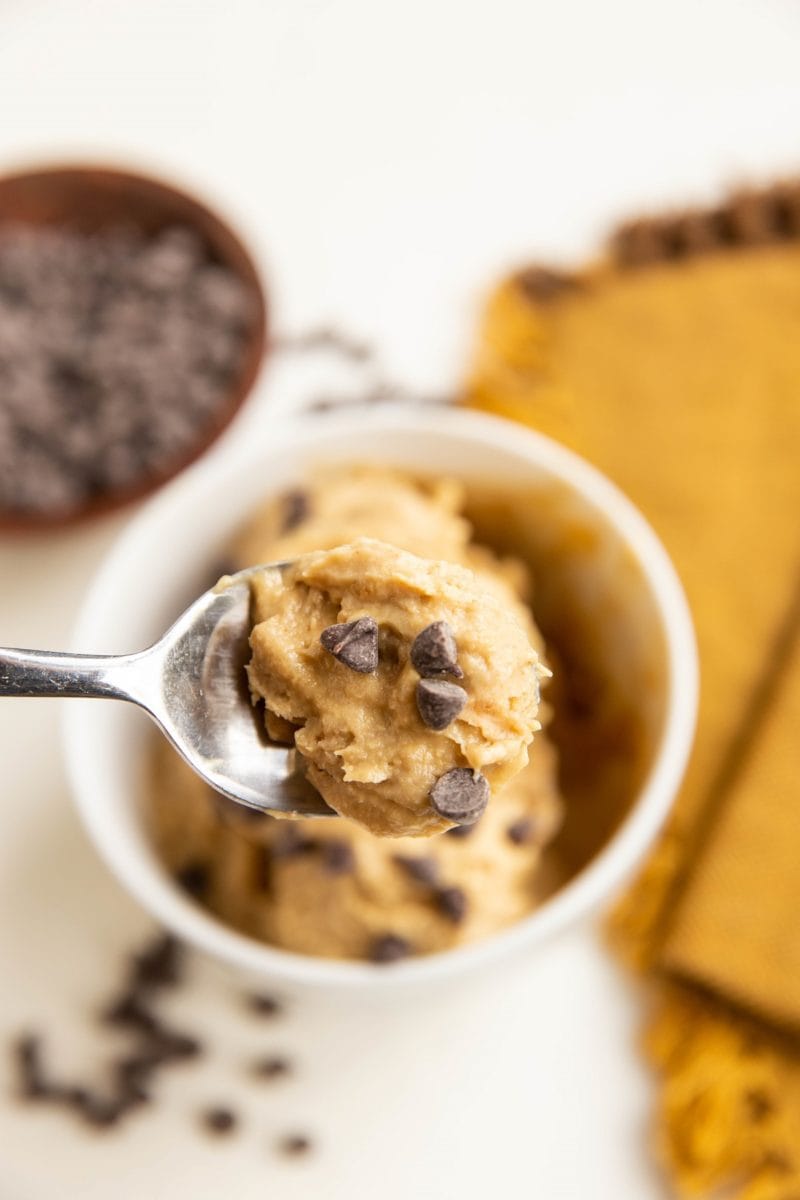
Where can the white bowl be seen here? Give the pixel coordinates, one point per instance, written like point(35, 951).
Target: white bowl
point(164, 557)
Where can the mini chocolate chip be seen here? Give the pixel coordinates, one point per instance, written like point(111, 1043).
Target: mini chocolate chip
point(519, 832)
point(194, 878)
point(134, 1070)
point(338, 857)
point(170, 1044)
point(28, 1054)
point(461, 831)
point(101, 1112)
point(74, 1096)
point(131, 1010)
point(271, 1067)
point(219, 1120)
point(434, 651)
point(160, 963)
point(460, 795)
point(354, 643)
point(439, 702)
point(290, 842)
point(389, 948)
point(294, 1145)
point(421, 870)
point(264, 1005)
point(296, 509)
point(453, 903)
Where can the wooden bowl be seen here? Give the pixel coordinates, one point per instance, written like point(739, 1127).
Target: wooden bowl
point(88, 198)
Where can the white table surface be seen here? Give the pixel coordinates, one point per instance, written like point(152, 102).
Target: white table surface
point(386, 162)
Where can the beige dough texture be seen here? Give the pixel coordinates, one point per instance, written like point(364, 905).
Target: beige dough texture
point(331, 887)
point(370, 732)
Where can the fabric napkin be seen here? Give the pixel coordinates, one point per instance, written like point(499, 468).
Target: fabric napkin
point(674, 364)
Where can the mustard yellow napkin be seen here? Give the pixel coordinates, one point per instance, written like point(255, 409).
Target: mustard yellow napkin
point(674, 364)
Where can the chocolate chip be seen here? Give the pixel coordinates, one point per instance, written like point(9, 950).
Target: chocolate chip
point(294, 1145)
point(389, 948)
point(195, 879)
point(291, 842)
point(101, 1112)
point(296, 509)
point(453, 903)
point(434, 651)
point(519, 832)
point(219, 1120)
point(439, 702)
point(338, 857)
point(27, 1051)
point(271, 1067)
point(130, 1009)
point(421, 870)
point(160, 963)
point(461, 831)
point(353, 643)
point(264, 1005)
point(171, 1045)
point(460, 795)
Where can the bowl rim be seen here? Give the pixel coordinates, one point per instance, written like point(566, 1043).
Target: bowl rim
point(203, 214)
point(596, 883)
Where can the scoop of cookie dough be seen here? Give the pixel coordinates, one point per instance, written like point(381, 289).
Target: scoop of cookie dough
point(411, 686)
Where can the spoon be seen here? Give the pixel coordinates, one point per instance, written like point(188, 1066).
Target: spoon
point(193, 684)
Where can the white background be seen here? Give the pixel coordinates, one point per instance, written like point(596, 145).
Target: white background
point(386, 162)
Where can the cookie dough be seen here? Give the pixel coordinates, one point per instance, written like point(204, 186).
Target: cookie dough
point(412, 688)
point(329, 887)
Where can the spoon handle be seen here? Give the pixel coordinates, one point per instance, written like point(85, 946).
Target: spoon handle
point(44, 673)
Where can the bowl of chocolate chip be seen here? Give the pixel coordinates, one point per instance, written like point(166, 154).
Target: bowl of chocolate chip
point(132, 328)
point(387, 517)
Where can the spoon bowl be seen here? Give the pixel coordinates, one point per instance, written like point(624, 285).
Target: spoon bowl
point(192, 682)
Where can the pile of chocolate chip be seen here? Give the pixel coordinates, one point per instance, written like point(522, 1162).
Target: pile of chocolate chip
point(131, 1076)
point(460, 795)
point(118, 351)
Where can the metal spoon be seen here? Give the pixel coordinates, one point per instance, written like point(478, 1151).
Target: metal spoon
point(193, 684)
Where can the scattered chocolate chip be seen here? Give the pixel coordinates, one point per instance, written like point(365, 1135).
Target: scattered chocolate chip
point(264, 1005)
point(101, 1112)
point(296, 509)
point(421, 870)
point(172, 1045)
point(460, 795)
point(156, 1045)
point(434, 651)
point(389, 948)
point(439, 702)
point(130, 1009)
point(27, 1051)
point(519, 832)
point(219, 1120)
point(453, 903)
point(338, 857)
point(294, 1145)
point(160, 963)
point(271, 1067)
point(354, 643)
point(195, 879)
